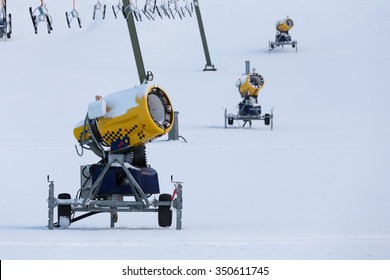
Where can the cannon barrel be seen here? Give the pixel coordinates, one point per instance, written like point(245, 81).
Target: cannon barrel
point(126, 119)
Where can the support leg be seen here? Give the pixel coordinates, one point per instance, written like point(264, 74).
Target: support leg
point(50, 205)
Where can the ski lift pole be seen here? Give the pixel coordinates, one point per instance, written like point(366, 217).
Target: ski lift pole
point(135, 43)
point(209, 66)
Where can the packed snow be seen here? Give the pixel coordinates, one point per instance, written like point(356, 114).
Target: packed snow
point(315, 187)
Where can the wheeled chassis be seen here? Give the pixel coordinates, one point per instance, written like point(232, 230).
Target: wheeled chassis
point(249, 118)
point(115, 203)
point(274, 44)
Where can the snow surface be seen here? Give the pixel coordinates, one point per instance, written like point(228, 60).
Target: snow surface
point(316, 187)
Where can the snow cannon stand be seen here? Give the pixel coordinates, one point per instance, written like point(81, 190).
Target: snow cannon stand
point(105, 189)
point(282, 36)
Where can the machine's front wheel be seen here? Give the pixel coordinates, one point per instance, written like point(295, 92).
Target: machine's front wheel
point(64, 211)
point(164, 212)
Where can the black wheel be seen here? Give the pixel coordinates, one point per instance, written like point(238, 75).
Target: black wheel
point(267, 119)
point(164, 212)
point(64, 211)
point(230, 121)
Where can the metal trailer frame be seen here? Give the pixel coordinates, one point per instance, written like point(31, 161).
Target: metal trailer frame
point(249, 118)
point(277, 43)
point(115, 204)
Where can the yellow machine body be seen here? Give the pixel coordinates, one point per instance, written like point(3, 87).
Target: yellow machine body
point(284, 25)
point(250, 85)
point(133, 117)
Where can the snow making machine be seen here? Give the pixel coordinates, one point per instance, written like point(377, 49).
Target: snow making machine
point(116, 128)
point(5, 21)
point(282, 36)
point(249, 109)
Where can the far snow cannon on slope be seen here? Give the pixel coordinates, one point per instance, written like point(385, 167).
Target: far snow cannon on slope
point(116, 128)
point(249, 86)
point(282, 36)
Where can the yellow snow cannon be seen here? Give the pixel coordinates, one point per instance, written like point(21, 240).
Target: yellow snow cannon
point(249, 85)
point(125, 119)
point(282, 36)
point(284, 25)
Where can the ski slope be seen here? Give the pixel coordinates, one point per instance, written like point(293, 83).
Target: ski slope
point(316, 187)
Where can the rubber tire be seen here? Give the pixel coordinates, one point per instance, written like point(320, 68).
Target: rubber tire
point(230, 121)
point(64, 210)
point(267, 119)
point(164, 212)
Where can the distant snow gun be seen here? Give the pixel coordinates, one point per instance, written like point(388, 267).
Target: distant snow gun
point(116, 128)
point(5, 21)
point(282, 36)
point(41, 14)
point(249, 86)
